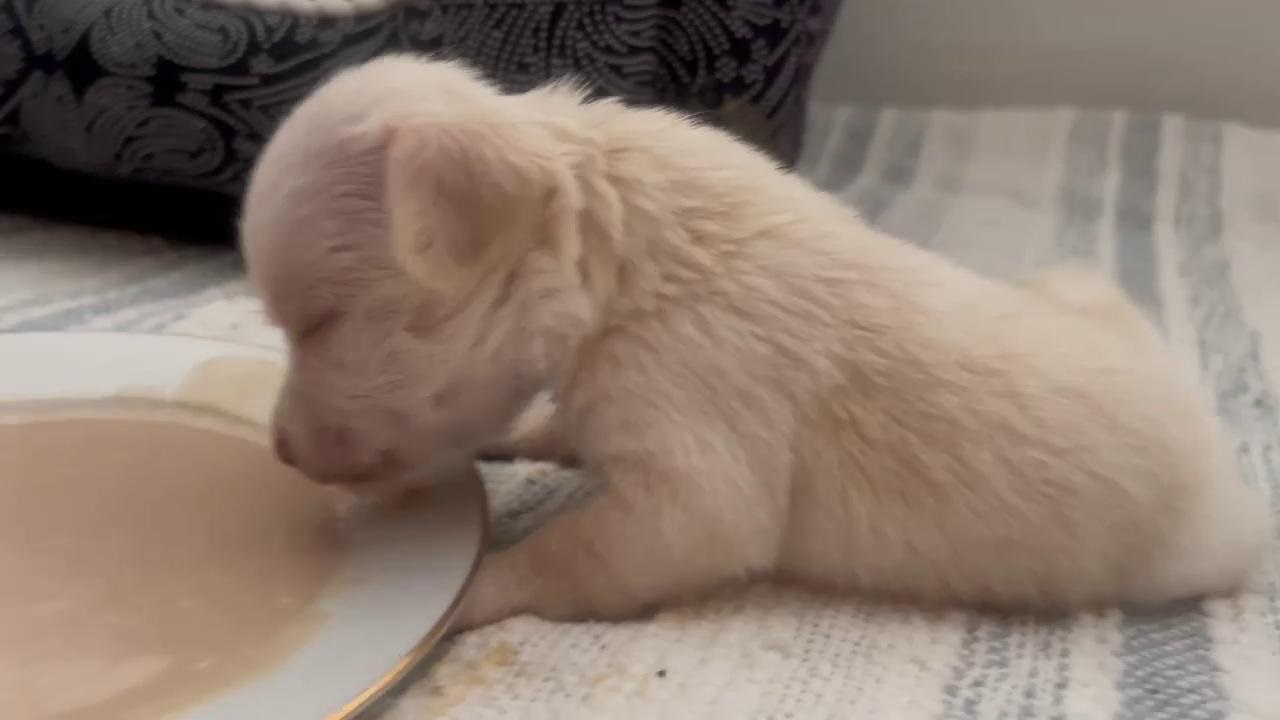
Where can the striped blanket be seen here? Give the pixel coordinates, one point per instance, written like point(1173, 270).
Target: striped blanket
point(1185, 214)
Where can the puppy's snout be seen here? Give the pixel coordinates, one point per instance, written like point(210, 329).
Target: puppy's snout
point(331, 454)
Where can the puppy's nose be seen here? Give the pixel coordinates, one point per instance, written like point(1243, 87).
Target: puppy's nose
point(353, 469)
point(284, 453)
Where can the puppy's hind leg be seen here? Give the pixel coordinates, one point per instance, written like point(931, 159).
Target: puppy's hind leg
point(1222, 536)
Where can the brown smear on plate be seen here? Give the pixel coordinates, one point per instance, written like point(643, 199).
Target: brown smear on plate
point(151, 555)
point(239, 386)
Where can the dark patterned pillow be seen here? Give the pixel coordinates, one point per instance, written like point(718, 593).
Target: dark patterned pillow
point(187, 91)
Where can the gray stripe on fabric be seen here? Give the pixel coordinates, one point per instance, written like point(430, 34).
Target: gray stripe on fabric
point(201, 275)
point(115, 278)
point(919, 214)
point(904, 144)
point(1167, 667)
point(984, 653)
point(820, 165)
point(1080, 197)
point(1053, 658)
point(1168, 672)
point(1230, 357)
point(982, 676)
point(963, 691)
point(817, 138)
point(849, 156)
point(982, 666)
point(158, 317)
point(1135, 248)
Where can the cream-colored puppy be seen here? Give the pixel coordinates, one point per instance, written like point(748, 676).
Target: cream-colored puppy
point(766, 386)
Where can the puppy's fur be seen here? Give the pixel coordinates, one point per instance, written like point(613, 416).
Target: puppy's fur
point(766, 386)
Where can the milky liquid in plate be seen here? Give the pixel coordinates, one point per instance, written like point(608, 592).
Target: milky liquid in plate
point(150, 557)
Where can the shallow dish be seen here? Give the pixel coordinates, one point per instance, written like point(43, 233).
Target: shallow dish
point(399, 577)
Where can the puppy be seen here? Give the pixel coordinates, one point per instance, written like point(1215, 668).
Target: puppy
point(766, 386)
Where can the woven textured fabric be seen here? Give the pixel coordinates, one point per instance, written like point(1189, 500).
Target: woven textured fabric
point(187, 91)
point(1185, 214)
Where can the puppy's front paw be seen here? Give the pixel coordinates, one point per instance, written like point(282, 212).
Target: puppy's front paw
point(498, 591)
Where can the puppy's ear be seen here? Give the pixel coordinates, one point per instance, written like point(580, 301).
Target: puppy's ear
point(459, 199)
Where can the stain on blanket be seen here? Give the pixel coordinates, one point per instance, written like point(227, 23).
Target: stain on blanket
point(456, 683)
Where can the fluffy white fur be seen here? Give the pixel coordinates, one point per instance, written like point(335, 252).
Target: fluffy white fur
point(765, 386)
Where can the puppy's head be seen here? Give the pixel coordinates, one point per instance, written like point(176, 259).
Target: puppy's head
point(409, 231)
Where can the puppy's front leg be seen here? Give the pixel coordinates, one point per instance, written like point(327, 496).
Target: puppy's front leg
point(647, 538)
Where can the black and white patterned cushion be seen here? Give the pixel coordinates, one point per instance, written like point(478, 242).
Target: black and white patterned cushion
point(185, 92)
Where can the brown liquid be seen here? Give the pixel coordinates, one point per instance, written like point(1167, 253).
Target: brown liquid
point(149, 559)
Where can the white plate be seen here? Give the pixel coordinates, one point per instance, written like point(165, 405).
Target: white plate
point(402, 576)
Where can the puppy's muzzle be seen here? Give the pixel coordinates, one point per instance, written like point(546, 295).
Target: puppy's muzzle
point(333, 463)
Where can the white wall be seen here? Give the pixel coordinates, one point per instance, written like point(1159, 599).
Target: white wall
point(1216, 58)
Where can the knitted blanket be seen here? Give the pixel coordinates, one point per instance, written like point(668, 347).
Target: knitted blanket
point(1185, 214)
